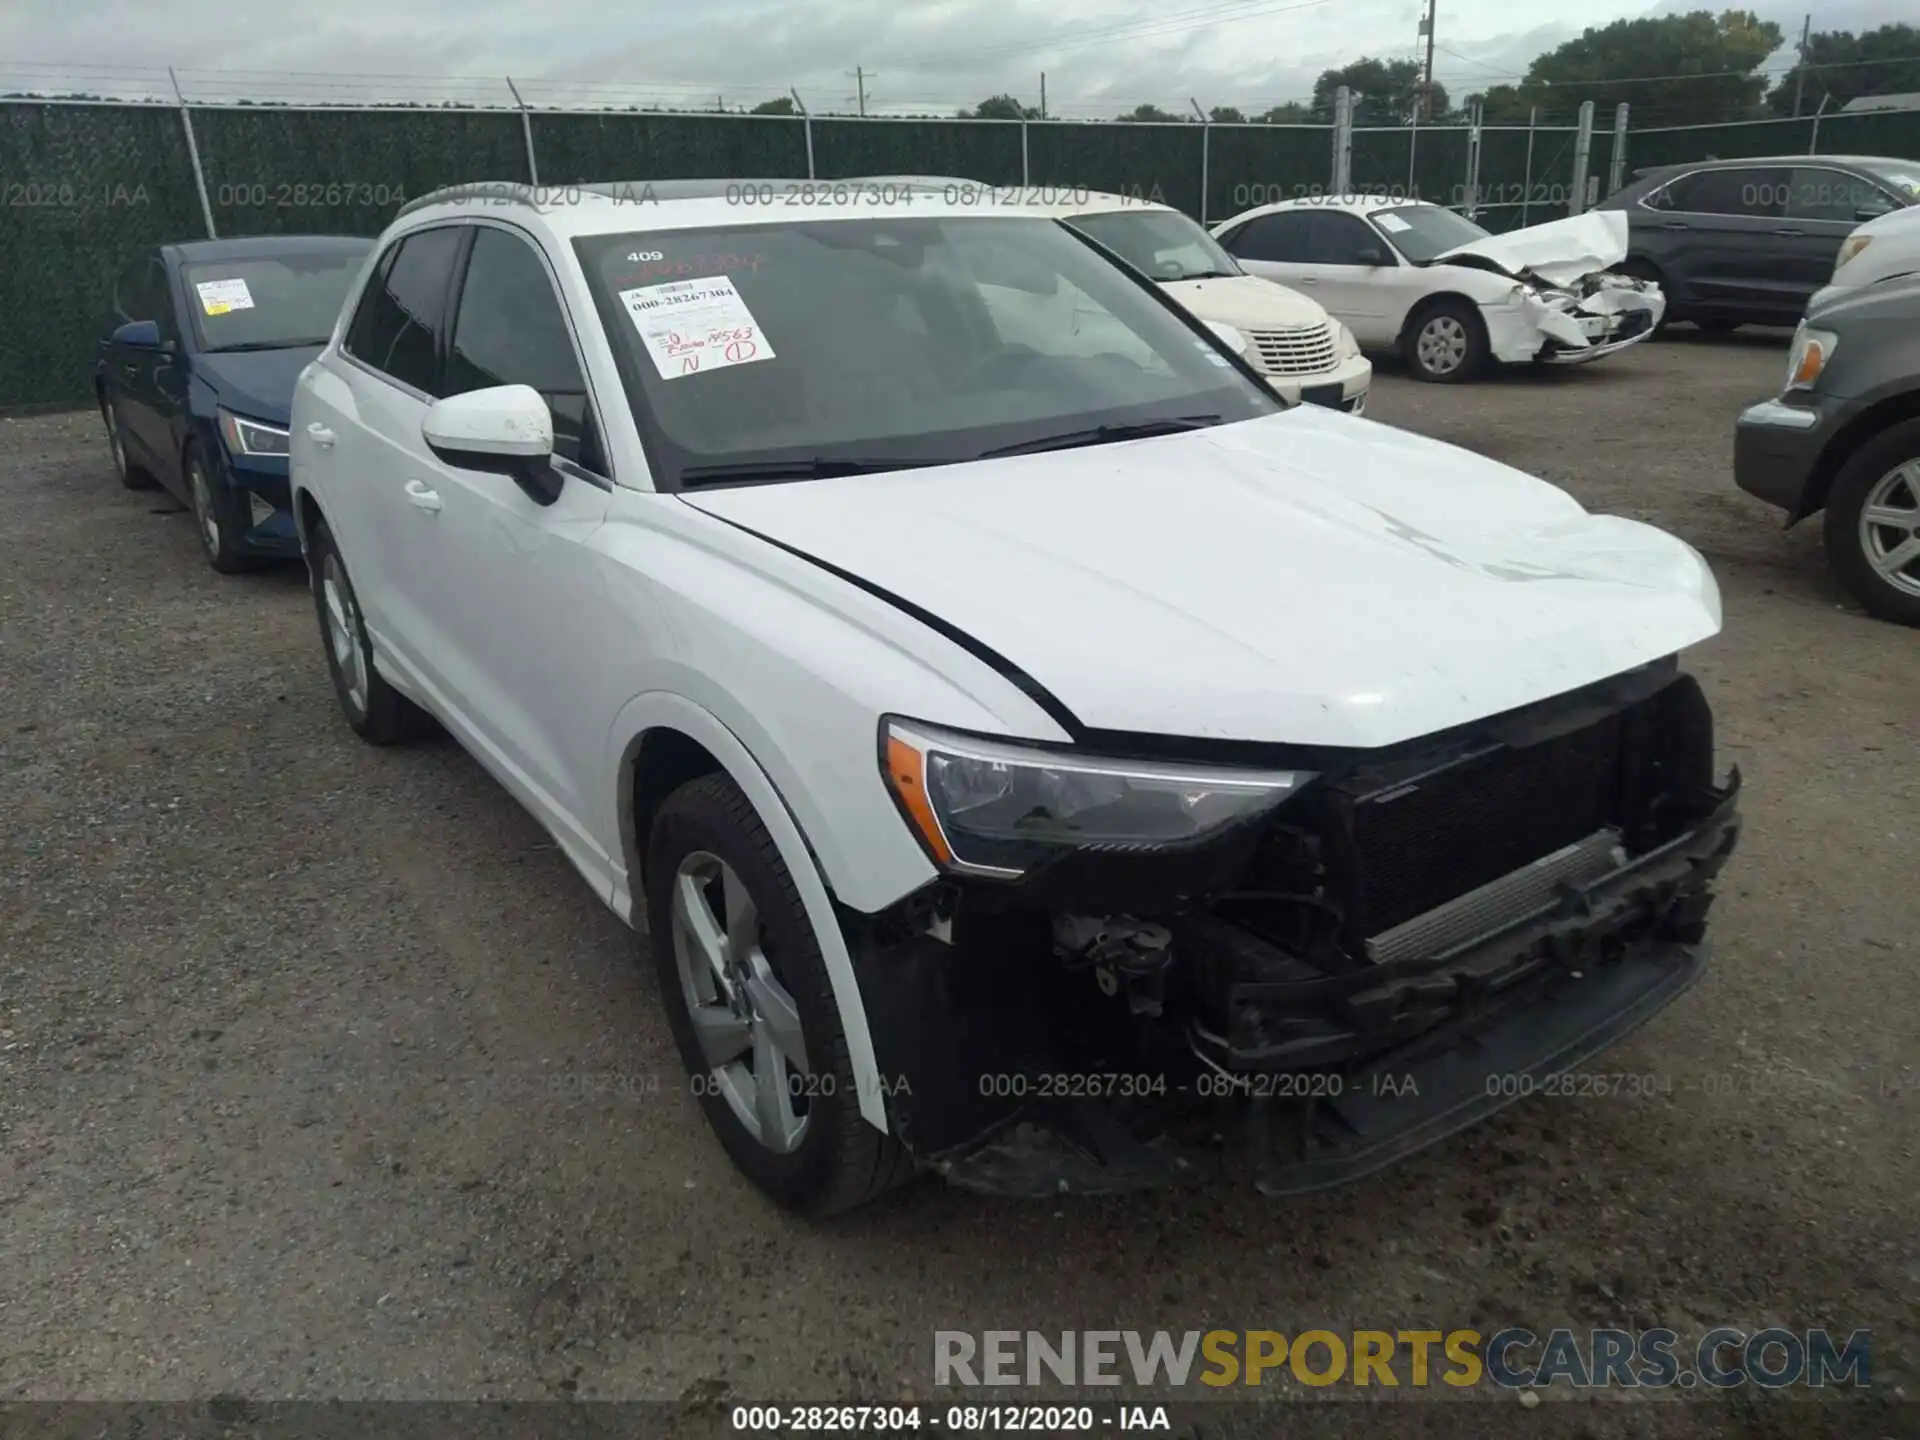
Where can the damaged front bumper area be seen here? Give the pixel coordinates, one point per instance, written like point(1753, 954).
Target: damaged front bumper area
point(1413, 942)
point(1599, 315)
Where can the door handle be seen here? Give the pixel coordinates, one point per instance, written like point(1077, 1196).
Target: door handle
point(1789, 232)
point(1677, 225)
point(1304, 280)
point(320, 435)
point(419, 495)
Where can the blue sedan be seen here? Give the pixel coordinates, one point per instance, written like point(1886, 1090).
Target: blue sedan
point(195, 376)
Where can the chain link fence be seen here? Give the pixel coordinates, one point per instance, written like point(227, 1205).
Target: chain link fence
point(84, 183)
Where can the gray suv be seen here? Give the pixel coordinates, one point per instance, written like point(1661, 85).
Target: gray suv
point(1844, 437)
point(1748, 241)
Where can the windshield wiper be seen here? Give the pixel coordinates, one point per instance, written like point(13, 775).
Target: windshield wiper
point(1104, 435)
point(1212, 274)
point(247, 345)
point(806, 467)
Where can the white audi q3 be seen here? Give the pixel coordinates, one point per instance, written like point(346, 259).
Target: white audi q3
point(1019, 750)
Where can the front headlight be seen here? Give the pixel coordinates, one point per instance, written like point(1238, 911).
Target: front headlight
point(1812, 350)
point(250, 437)
point(1849, 248)
point(990, 807)
point(1345, 347)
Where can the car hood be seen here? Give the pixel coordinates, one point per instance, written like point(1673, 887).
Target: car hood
point(256, 383)
point(1559, 252)
point(1308, 577)
point(1246, 302)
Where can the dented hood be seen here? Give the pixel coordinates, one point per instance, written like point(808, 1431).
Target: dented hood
point(1559, 252)
point(1307, 577)
point(1246, 302)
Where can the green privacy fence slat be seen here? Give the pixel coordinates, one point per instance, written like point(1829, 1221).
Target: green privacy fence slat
point(1150, 161)
point(1648, 148)
point(1380, 160)
point(81, 187)
point(984, 150)
point(1249, 165)
point(1440, 163)
point(1894, 133)
point(278, 172)
point(572, 149)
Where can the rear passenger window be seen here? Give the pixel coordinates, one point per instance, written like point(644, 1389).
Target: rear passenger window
point(400, 313)
point(1818, 193)
point(510, 330)
point(1758, 192)
point(1273, 237)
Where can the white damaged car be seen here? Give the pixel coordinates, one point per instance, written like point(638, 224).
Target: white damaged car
point(1026, 763)
point(1429, 284)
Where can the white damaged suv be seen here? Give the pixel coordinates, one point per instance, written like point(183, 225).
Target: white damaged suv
point(1018, 756)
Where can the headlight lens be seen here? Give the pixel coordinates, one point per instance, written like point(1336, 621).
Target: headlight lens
point(988, 807)
point(1849, 248)
point(1812, 349)
point(250, 437)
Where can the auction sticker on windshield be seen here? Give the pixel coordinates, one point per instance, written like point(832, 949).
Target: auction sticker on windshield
point(217, 297)
point(1392, 224)
point(692, 326)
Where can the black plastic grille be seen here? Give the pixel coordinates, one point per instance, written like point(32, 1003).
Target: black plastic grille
point(1416, 845)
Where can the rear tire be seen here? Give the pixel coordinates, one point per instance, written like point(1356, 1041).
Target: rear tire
point(749, 1001)
point(378, 713)
point(124, 471)
point(1873, 521)
point(1446, 342)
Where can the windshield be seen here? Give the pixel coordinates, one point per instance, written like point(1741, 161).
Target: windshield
point(1162, 243)
point(1902, 176)
point(270, 302)
point(780, 351)
point(1421, 232)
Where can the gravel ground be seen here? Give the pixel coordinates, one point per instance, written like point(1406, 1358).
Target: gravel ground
point(323, 1075)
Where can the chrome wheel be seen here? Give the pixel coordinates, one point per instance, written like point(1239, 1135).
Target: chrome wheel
point(747, 1025)
point(343, 633)
point(203, 511)
point(1890, 527)
point(1441, 345)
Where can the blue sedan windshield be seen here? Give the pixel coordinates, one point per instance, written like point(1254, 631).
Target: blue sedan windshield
point(269, 302)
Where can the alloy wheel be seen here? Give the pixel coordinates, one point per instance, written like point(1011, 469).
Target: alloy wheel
point(203, 510)
point(746, 1022)
point(343, 633)
point(1442, 345)
point(1890, 527)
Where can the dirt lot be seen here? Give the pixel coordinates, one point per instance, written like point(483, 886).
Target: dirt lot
point(322, 1074)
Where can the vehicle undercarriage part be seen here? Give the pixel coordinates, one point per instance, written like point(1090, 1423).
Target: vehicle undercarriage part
point(1334, 985)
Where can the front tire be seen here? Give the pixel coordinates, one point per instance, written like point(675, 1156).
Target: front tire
point(752, 1008)
point(378, 713)
point(1873, 524)
point(1447, 343)
point(214, 518)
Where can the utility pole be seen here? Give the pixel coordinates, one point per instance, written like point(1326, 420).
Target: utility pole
point(1800, 70)
point(1043, 94)
point(860, 79)
point(1426, 78)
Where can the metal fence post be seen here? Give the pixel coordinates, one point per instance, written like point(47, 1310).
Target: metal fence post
point(1413, 153)
point(1813, 139)
point(1342, 140)
point(1526, 190)
point(1617, 167)
point(1206, 145)
point(1582, 153)
point(1475, 116)
point(193, 154)
point(526, 133)
point(806, 118)
point(1026, 173)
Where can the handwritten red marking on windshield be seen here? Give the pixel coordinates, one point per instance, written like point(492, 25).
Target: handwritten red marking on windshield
point(739, 350)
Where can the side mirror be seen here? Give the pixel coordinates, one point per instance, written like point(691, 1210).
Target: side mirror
point(1369, 255)
point(1235, 341)
point(504, 430)
point(138, 335)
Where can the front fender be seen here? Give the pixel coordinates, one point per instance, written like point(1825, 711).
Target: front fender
point(663, 709)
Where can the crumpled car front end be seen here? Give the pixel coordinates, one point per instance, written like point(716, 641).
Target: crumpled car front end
point(1392, 947)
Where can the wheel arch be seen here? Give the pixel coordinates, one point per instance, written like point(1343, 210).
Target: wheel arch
point(668, 740)
point(1860, 430)
point(1418, 311)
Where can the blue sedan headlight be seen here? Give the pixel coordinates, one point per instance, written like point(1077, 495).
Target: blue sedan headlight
point(251, 437)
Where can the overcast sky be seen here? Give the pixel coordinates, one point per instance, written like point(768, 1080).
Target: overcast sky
point(920, 55)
